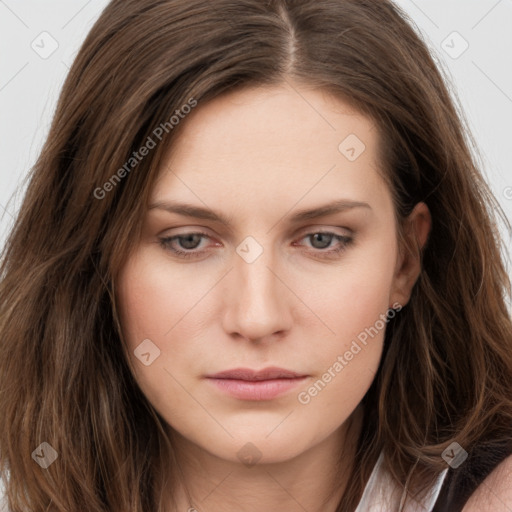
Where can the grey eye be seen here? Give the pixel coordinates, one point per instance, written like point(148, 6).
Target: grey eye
point(191, 241)
point(324, 240)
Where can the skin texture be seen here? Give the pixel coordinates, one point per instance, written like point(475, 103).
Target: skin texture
point(495, 492)
point(258, 156)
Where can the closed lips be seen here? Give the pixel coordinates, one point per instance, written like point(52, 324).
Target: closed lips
point(250, 385)
point(253, 375)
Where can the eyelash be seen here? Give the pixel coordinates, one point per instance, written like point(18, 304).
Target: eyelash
point(345, 242)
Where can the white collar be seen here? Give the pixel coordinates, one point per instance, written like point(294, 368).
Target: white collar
point(382, 494)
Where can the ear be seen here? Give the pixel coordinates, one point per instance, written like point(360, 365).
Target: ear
point(408, 267)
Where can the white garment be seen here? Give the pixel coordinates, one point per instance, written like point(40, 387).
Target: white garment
point(3, 498)
point(381, 493)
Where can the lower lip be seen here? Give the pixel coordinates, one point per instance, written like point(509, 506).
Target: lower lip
point(258, 389)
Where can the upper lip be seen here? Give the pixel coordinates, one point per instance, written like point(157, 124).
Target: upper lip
point(255, 375)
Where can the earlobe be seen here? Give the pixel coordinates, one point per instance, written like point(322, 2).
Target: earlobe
point(416, 230)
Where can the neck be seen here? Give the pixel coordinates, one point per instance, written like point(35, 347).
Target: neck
point(314, 481)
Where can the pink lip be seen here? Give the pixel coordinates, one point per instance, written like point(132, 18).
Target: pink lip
point(247, 384)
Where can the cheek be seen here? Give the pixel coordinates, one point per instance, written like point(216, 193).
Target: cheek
point(352, 297)
point(354, 305)
point(349, 360)
point(153, 298)
point(151, 302)
point(161, 303)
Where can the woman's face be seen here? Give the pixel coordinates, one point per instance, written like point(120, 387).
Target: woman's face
point(262, 288)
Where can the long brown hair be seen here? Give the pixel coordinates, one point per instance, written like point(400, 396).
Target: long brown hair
point(446, 374)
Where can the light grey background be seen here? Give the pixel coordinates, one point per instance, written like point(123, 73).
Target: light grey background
point(31, 78)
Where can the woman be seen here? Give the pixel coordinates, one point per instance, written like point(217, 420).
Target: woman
point(256, 268)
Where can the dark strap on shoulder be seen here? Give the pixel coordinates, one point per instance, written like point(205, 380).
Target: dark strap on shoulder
point(460, 483)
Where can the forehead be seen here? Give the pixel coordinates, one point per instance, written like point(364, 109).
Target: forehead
point(274, 145)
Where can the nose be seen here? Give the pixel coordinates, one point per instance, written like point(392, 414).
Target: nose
point(257, 302)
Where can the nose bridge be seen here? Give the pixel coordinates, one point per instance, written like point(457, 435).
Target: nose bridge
point(257, 303)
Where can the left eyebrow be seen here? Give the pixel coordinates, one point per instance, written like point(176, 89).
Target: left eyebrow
point(199, 212)
point(328, 209)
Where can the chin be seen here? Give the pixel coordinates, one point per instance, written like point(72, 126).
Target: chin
point(259, 443)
